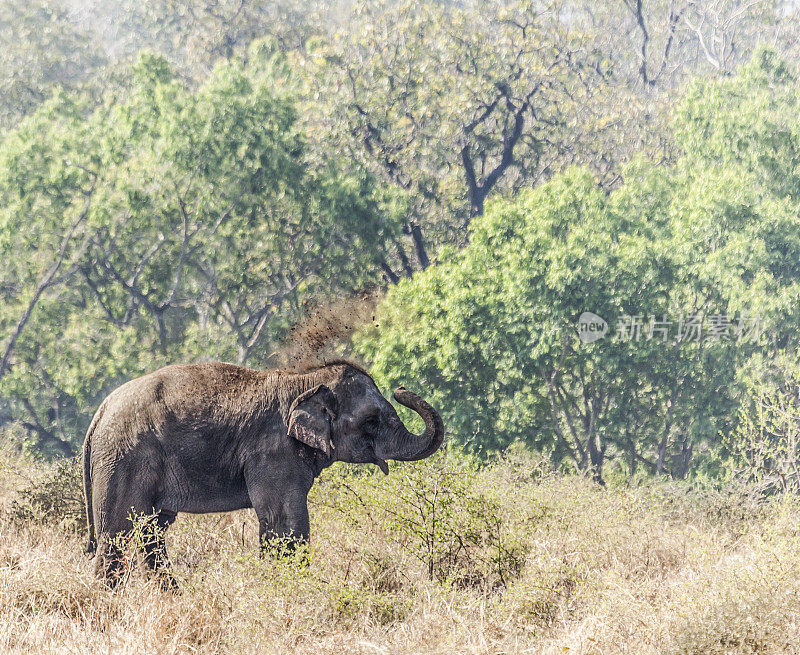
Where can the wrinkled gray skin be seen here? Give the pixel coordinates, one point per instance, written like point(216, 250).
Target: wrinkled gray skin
point(215, 437)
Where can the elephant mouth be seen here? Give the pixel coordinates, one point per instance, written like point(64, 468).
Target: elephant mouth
point(380, 463)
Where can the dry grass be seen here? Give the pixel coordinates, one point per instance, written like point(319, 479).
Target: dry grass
point(439, 557)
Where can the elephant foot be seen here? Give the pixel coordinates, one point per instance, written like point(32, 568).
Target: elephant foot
point(167, 582)
point(110, 571)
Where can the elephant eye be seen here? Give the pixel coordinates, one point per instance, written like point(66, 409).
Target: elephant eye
point(370, 423)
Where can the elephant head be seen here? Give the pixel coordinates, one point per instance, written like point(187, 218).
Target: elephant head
point(347, 419)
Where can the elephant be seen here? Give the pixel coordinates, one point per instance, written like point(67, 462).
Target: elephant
point(216, 437)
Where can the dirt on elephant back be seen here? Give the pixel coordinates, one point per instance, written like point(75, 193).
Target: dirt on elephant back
point(323, 331)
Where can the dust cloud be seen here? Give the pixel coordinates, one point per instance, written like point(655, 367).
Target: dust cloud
point(323, 333)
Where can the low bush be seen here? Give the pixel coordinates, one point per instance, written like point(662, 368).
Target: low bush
point(50, 494)
point(444, 511)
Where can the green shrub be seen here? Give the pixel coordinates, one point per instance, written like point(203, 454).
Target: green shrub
point(52, 495)
point(442, 511)
point(765, 447)
point(439, 512)
point(350, 602)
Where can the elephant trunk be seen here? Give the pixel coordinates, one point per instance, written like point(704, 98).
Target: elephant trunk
point(411, 446)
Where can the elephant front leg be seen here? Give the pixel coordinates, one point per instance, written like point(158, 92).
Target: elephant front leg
point(278, 491)
point(283, 524)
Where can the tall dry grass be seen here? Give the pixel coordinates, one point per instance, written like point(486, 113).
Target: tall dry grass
point(440, 557)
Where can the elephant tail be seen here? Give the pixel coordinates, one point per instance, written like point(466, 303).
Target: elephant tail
point(91, 544)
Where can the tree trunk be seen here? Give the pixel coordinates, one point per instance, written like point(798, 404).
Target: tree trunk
point(597, 457)
point(419, 246)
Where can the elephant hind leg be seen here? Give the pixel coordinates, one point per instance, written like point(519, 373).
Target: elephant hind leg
point(109, 560)
point(115, 554)
point(119, 504)
point(154, 547)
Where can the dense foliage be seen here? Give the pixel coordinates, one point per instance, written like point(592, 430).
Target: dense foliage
point(715, 236)
point(170, 225)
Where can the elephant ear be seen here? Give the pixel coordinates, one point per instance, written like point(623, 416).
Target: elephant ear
point(310, 418)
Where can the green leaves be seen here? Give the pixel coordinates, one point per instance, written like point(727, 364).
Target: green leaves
point(204, 227)
point(492, 329)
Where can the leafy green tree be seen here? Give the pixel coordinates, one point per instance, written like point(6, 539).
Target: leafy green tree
point(765, 446)
point(168, 225)
point(491, 329)
point(494, 326)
